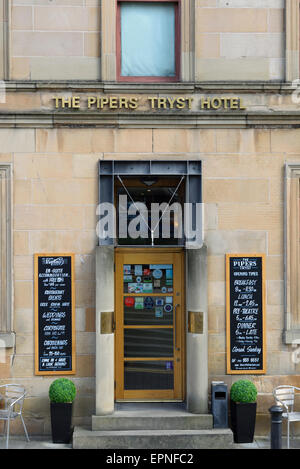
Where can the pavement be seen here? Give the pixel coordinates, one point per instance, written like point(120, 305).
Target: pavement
point(45, 442)
point(36, 442)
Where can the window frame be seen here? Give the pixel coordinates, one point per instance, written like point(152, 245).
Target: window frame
point(5, 39)
point(149, 79)
point(7, 336)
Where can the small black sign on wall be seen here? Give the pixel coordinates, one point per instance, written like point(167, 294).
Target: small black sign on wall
point(54, 294)
point(245, 314)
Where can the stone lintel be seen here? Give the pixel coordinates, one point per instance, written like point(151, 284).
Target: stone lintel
point(201, 119)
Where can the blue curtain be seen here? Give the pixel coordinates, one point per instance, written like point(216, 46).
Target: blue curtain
point(148, 39)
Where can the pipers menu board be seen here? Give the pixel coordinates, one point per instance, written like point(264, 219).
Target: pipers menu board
point(54, 314)
point(245, 313)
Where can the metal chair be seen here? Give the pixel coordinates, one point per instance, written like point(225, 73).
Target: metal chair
point(285, 396)
point(13, 396)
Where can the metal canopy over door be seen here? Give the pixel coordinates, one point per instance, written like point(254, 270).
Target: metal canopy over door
point(111, 172)
point(149, 307)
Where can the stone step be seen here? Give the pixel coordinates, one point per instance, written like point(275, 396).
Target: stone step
point(152, 420)
point(152, 439)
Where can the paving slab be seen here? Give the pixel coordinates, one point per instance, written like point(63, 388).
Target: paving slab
point(36, 442)
point(45, 442)
point(86, 438)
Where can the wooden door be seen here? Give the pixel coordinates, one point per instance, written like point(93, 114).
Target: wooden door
point(149, 314)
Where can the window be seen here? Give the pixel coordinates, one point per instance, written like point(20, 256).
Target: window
point(6, 335)
point(155, 194)
point(148, 40)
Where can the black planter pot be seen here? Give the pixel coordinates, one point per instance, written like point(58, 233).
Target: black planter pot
point(243, 417)
point(61, 422)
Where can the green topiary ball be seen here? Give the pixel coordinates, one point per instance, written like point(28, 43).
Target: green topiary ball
point(62, 390)
point(244, 391)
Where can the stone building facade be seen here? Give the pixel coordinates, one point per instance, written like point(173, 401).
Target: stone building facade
point(50, 148)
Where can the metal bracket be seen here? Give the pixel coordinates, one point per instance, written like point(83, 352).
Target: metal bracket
point(107, 323)
point(195, 322)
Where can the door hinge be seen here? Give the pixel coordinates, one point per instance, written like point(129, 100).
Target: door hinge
point(115, 384)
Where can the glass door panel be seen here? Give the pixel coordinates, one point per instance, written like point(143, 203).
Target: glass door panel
point(148, 310)
point(148, 343)
point(148, 278)
point(148, 375)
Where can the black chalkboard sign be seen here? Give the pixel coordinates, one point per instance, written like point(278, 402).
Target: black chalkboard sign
point(245, 304)
point(54, 314)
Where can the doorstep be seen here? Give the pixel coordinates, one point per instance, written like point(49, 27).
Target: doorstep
point(84, 438)
point(151, 426)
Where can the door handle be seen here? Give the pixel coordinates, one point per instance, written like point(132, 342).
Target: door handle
point(175, 326)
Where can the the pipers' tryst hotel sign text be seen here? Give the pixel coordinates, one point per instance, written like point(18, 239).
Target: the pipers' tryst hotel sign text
point(104, 103)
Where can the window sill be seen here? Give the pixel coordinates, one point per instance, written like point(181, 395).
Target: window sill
point(8, 339)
